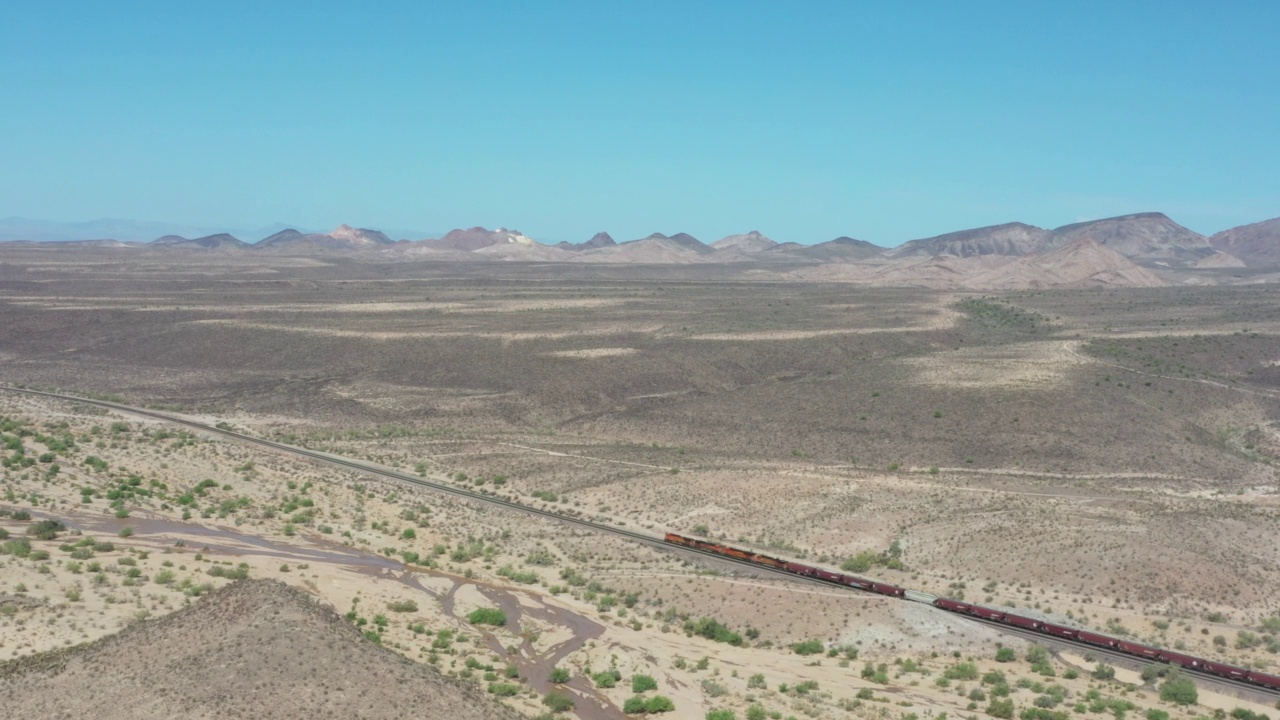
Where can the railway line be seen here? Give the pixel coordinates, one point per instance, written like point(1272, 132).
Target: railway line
point(372, 469)
point(1260, 684)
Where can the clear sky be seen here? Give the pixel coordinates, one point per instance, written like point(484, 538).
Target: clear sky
point(804, 120)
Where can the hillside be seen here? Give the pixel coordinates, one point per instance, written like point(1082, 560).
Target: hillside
point(843, 248)
point(1148, 236)
point(1013, 238)
point(254, 649)
point(751, 242)
point(1083, 262)
point(1257, 244)
point(343, 237)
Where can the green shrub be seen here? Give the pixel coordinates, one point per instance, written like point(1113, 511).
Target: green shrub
point(712, 629)
point(1001, 708)
point(487, 616)
point(403, 606)
point(559, 675)
point(45, 529)
point(1104, 672)
point(1154, 714)
point(643, 683)
point(606, 679)
point(961, 671)
point(558, 701)
point(721, 715)
point(1179, 690)
point(1006, 654)
point(125, 531)
point(808, 647)
point(504, 689)
point(659, 704)
point(633, 706)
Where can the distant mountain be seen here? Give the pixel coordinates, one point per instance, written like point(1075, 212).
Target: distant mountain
point(1258, 244)
point(843, 248)
point(343, 237)
point(656, 249)
point(284, 237)
point(475, 238)
point(751, 242)
point(1082, 262)
point(1149, 236)
point(208, 242)
point(599, 240)
point(680, 240)
point(1013, 238)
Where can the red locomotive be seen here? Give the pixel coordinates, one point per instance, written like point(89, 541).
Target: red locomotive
point(986, 613)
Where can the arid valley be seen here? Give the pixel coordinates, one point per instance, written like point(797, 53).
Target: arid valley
point(1101, 456)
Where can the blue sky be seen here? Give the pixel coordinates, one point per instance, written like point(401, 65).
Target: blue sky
point(883, 121)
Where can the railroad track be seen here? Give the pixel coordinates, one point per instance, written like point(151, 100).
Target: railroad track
point(1254, 691)
point(372, 469)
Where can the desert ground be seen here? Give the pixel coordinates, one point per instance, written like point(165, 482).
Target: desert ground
point(1101, 457)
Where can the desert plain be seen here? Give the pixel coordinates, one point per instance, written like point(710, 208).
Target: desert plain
point(1103, 457)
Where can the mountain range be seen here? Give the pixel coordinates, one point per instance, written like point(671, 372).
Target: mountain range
point(1140, 249)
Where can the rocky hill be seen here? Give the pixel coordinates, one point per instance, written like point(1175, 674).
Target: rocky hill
point(343, 237)
point(1083, 262)
point(208, 242)
point(843, 248)
point(1013, 238)
point(253, 649)
point(1256, 245)
point(751, 242)
point(1150, 236)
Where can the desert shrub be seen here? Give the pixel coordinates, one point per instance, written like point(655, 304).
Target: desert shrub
point(558, 701)
point(487, 616)
point(164, 577)
point(1104, 672)
point(866, 694)
point(756, 682)
point(633, 706)
point(643, 683)
point(659, 704)
point(721, 715)
point(504, 689)
point(961, 671)
point(403, 606)
point(808, 647)
point(712, 629)
point(1179, 690)
point(1001, 708)
point(559, 675)
point(125, 531)
point(45, 529)
point(1006, 654)
point(17, 547)
point(1154, 714)
point(606, 679)
point(4, 534)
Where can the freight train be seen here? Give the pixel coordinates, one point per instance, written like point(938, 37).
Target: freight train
point(995, 615)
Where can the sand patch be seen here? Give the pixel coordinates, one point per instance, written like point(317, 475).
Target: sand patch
point(594, 352)
point(1029, 365)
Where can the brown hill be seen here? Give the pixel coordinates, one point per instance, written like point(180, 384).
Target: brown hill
point(343, 237)
point(253, 649)
point(843, 248)
point(1257, 244)
point(475, 238)
point(752, 242)
point(656, 249)
point(599, 240)
point(1143, 236)
point(1008, 239)
point(208, 242)
point(1084, 262)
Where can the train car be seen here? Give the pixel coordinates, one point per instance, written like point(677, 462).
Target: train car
point(1177, 658)
point(1264, 679)
point(1022, 622)
point(954, 606)
point(799, 569)
point(831, 577)
point(987, 613)
point(1138, 649)
point(1059, 630)
point(856, 582)
point(887, 589)
point(1225, 670)
point(1093, 638)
